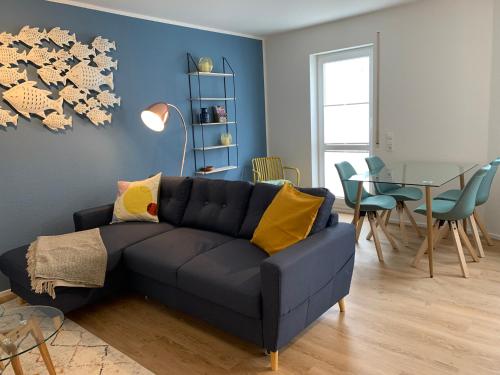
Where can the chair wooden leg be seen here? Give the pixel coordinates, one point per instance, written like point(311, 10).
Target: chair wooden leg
point(383, 216)
point(442, 233)
point(402, 226)
point(274, 361)
point(359, 227)
point(460, 252)
point(423, 247)
point(483, 229)
point(412, 220)
point(467, 243)
point(342, 305)
point(386, 232)
point(387, 217)
point(16, 365)
point(477, 239)
point(371, 220)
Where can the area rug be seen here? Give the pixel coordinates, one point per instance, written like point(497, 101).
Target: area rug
point(75, 351)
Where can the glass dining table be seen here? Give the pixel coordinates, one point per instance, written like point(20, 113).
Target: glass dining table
point(427, 175)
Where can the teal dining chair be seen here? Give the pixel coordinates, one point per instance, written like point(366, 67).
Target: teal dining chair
point(400, 193)
point(482, 197)
point(369, 206)
point(452, 213)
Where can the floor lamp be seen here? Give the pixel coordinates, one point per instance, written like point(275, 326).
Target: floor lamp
point(155, 117)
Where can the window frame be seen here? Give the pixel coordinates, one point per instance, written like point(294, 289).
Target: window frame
point(322, 147)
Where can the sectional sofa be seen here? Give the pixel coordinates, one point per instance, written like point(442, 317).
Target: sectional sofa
point(199, 259)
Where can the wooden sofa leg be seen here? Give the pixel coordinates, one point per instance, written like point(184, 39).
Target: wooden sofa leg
point(274, 361)
point(341, 305)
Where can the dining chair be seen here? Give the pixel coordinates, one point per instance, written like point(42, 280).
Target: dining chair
point(400, 193)
point(369, 206)
point(483, 195)
point(270, 169)
point(452, 213)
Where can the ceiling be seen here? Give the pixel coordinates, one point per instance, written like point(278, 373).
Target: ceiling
point(256, 18)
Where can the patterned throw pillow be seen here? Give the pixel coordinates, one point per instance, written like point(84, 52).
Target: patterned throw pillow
point(137, 200)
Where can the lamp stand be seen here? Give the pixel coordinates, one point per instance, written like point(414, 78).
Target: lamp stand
point(185, 135)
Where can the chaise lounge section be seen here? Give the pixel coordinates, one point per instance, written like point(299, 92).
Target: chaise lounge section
point(199, 259)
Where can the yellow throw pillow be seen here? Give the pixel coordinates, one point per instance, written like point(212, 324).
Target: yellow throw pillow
point(288, 220)
point(137, 200)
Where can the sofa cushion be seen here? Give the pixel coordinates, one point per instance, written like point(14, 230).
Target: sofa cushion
point(228, 275)
point(217, 205)
point(261, 198)
point(174, 196)
point(160, 257)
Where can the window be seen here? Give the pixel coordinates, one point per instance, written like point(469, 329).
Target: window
point(345, 91)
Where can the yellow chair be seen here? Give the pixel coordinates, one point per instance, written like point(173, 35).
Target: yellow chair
point(271, 170)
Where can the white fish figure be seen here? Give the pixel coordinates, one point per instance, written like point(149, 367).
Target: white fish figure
point(26, 99)
point(72, 95)
point(7, 39)
point(61, 37)
point(11, 76)
point(57, 122)
point(32, 36)
point(103, 45)
point(93, 103)
point(81, 108)
point(81, 51)
point(11, 56)
point(98, 116)
point(105, 62)
point(6, 118)
point(89, 77)
point(40, 56)
point(51, 76)
point(61, 65)
point(108, 99)
point(63, 55)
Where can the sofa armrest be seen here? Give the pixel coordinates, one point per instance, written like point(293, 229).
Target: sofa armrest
point(291, 278)
point(93, 217)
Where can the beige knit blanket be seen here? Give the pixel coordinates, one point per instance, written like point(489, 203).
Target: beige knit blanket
point(76, 260)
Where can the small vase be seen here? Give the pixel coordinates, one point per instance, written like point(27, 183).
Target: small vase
point(226, 139)
point(204, 117)
point(205, 64)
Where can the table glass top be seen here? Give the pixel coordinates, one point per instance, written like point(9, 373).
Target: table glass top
point(416, 173)
point(24, 328)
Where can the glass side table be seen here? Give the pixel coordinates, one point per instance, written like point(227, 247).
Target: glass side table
point(25, 328)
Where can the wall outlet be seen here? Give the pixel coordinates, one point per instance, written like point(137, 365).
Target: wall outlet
point(389, 141)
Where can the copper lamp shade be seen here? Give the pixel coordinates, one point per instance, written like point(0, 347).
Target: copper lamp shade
point(155, 116)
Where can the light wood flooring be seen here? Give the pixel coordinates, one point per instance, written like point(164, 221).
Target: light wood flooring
point(397, 321)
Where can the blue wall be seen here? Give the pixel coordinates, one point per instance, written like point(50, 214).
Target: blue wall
point(45, 176)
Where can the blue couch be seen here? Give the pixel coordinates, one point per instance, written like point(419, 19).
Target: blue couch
point(199, 259)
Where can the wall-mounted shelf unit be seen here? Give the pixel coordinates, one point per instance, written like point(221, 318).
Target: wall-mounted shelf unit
point(203, 131)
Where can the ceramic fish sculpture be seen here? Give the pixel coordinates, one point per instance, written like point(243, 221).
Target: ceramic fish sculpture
point(11, 76)
point(72, 95)
point(26, 99)
point(108, 99)
point(41, 56)
point(81, 51)
point(98, 116)
point(89, 77)
point(61, 37)
point(32, 36)
point(81, 108)
point(11, 56)
point(51, 76)
point(103, 45)
point(105, 62)
point(7, 39)
point(57, 122)
point(61, 65)
point(6, 118)
point(93, 103)
point(63, 55)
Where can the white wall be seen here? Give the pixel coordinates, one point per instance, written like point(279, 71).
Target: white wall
point(435, 70)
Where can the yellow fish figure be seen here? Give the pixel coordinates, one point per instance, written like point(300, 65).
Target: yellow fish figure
point(26, 99)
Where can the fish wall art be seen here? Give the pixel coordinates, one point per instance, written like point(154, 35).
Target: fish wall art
point(67, 74)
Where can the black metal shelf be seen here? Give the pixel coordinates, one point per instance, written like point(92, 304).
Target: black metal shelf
point(195, 76)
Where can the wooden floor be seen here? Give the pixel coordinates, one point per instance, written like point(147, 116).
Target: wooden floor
point(398, 321)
